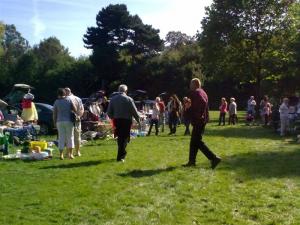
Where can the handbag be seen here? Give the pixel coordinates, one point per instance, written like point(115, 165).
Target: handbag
point(73, 117)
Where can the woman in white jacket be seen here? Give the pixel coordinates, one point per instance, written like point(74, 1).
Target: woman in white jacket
point(284, 116)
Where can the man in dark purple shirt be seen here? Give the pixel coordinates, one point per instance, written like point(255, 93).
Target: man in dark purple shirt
point(198, 114)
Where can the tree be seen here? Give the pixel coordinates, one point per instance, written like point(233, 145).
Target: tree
point(53, 60)
point(51, 53)
point(80, 74)
point(12, 47)
point(294, 46)
point(171, 71)
point(2, 28)
point(119, 41)
point(176, 38)
point(27, 69)
point(240, 39)
point(46, 66)
point(13, 43)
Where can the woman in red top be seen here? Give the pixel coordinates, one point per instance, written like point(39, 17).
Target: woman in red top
point(186, 105)
point(223, 110)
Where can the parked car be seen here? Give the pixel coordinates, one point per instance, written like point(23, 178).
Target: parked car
point(10, 112)
point(84, 100)
point(45, 114)
point(16, 94)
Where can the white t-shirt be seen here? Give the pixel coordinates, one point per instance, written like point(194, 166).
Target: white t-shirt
point(232, 108)
point(155, 112)
point(77, 103)
point(284, 110)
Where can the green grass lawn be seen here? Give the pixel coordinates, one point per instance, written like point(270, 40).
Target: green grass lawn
point(258, 182)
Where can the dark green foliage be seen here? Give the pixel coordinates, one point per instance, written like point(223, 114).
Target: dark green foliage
point(246, 47)
point(176, 38)
point(247, 40)
point(12, 47)
point(2, 28)
point(173, 69)
point(13, 43)
point(46, 67)
point(119, 41)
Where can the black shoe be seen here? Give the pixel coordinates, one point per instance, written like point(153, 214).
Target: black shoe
point(215, 162)
point(189, 165)
point(121, 160)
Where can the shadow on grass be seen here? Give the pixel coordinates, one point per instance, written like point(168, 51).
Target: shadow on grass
point(265, 164)
point(99, 142)
point(242, 131)
point(179, 136)
point(78, 164)
point(146, 173)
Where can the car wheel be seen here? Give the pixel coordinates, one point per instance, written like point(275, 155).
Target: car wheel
point(44, 129)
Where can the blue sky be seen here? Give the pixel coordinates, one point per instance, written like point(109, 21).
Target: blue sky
point(68, 19)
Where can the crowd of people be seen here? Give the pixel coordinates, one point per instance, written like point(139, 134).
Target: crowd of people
point(281, 116)
point(191, 112)
point(122, 109)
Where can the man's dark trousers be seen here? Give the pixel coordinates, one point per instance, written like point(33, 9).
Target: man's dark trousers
point(155, 122)
point(123, 133)
point(197, 143)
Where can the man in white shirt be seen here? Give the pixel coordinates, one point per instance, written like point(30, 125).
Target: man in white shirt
point(284, 116)
point(154, 117)
point(77, 126)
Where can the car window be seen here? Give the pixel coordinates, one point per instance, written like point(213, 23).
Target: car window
point(13, 112)
point(38, 109)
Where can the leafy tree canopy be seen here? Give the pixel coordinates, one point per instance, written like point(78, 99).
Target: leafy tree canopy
point(51, 53)
point(176, 38)
point(119, 40)
point(13, 42)
point(243, 38)
point(118, 29)
point(1, 38)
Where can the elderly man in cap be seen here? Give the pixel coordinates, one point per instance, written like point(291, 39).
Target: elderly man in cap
point(121, 109)
point(232, 111)
point(77, 126)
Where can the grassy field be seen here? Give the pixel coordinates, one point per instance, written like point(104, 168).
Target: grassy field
point(258, 182)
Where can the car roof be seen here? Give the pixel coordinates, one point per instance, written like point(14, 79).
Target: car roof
point(26, 86)
point(44, 105)
point(148, 101)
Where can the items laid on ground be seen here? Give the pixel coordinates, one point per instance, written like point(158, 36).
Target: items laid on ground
point(16, 135)
point(95, 125)
point(32, 150)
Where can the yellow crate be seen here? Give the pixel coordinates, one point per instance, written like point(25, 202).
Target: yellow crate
point(42, 144)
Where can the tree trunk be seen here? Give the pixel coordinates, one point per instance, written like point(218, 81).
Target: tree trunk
point(258, 66)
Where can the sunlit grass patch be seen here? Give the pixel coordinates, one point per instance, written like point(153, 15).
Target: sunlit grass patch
point(256, 183)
